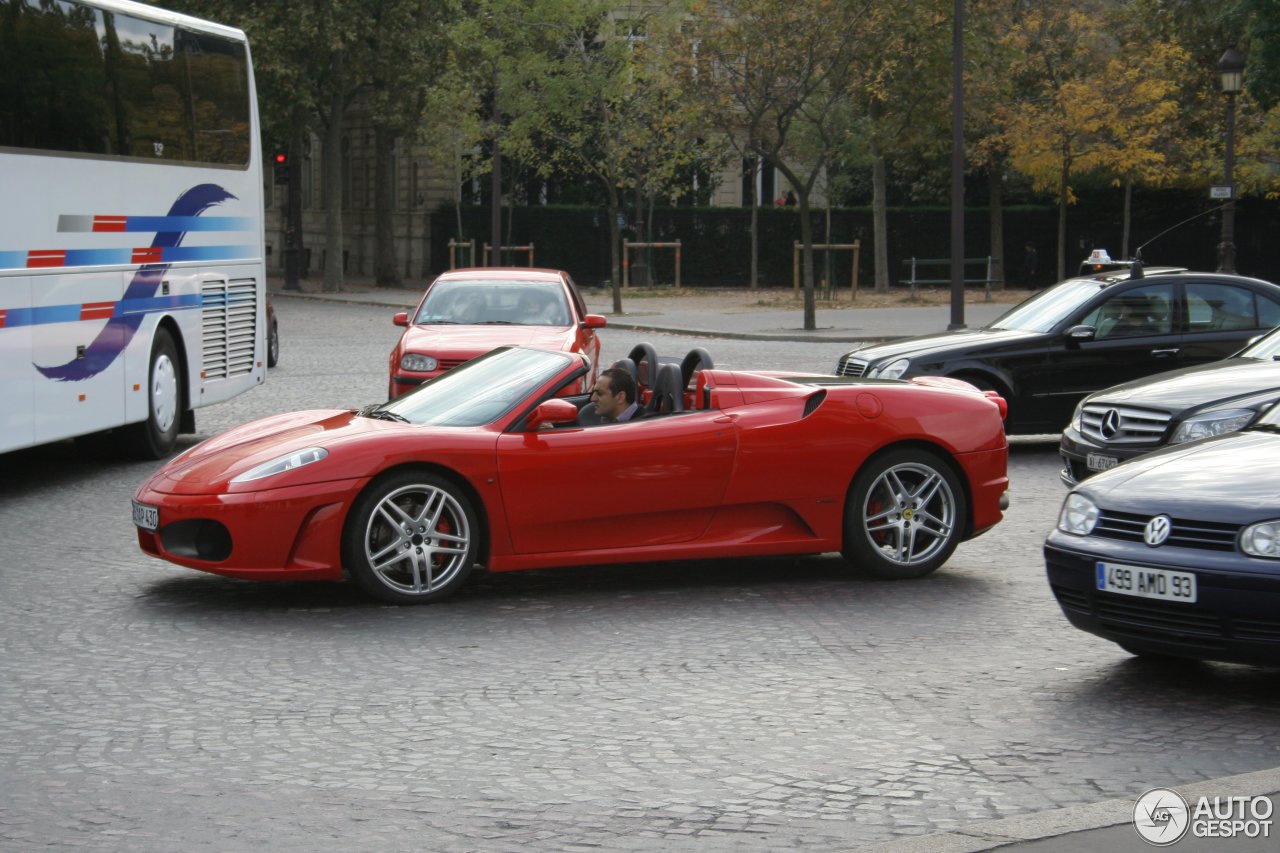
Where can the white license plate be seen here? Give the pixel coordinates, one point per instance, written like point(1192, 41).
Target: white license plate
point(1143, 582)
point(1098, 462)
point(146, 517)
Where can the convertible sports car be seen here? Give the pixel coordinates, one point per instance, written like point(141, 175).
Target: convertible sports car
point(488, 464)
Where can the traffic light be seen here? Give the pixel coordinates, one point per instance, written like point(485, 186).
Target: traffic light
point(280, 162)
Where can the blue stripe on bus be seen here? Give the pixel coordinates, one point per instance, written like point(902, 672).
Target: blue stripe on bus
point(44, 315)
point(188, 223)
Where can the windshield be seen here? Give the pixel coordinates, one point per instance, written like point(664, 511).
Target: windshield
point(1267, 346)
point(480, 391)
point(479, 302)
point(1049, 307)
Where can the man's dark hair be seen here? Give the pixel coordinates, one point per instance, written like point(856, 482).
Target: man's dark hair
point(621, 382)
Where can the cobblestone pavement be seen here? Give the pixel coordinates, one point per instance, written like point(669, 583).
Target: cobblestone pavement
point(745, 705)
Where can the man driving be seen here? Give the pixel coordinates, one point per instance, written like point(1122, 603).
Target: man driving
point(614, 396)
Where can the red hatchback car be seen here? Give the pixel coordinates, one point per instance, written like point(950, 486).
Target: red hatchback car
point(465, 313)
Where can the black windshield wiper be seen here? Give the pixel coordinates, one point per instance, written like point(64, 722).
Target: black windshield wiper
point(496, 323)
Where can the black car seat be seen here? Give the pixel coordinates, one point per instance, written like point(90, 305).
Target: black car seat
point(668, 392)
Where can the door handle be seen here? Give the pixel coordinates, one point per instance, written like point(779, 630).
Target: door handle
point(1165, 353)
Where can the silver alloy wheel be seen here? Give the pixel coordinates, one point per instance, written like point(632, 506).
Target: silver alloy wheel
point(417, 539)
point(909, 514)
point(164, 392)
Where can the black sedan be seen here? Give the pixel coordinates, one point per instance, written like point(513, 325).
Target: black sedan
point(1178, 552)
point(1171, 408)
point(1082, 335)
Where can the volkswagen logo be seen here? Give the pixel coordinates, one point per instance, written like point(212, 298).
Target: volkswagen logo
point(1157, 530)
point(1110, 424)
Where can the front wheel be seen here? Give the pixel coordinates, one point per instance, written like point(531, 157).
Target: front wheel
point(905, 515)
point(156, 436)
point(411, 538)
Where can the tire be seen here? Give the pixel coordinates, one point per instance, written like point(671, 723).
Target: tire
point(410, 538)
point(155, 437)
point(273, 345)
point(905, 515)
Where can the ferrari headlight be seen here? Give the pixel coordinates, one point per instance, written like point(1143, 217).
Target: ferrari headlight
point(1079, 515)
point(892, 370)
point(1261, 539)
point(418, 363)
point(282, 463)
point(1212, 423)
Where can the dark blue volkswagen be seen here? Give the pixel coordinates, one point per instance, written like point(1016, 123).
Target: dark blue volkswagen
point(1178, 552)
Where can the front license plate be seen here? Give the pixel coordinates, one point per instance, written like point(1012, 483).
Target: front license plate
point(1098, 462)
point(146, 517)
point(1142, 582)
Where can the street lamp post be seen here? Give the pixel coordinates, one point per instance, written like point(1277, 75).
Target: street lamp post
point(1231, 67)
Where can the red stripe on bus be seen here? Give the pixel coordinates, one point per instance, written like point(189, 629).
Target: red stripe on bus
point(147, 255)
point(109, 223)
point(3, 314)
point(97, 310)
point(46, 258)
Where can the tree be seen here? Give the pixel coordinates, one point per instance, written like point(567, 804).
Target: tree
point(611, 111)
point(407, 56)
point(1052, 131)
point(770, 73)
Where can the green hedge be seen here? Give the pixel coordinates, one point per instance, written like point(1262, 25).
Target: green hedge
point(716, 242)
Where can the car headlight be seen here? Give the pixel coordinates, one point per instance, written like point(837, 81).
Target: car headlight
point(1261, 539)
point(1076, 416)
point(418, 363)
point(1212, 423)
point(1079, 515)
point(282, 463)
point(892, 370)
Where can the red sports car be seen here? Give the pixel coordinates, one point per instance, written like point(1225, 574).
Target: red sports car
point(465, 313)
point(489, 465)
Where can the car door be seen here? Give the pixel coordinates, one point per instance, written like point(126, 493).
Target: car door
point(1135, 335)
point(1221, 317)
point(646, 482)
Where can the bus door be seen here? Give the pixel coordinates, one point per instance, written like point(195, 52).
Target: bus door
point(77, 359)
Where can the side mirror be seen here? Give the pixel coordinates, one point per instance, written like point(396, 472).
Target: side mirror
point(551, 412)
point(401, 318)
point(594, 321)
point(1078, 334)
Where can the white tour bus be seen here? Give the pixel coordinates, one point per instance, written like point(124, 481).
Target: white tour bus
point(132, 285)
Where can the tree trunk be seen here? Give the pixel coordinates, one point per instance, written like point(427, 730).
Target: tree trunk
point(806, 238)
point(332, 171)
point(615, 249)
point(1128, 198)
point(1063, 189)
point(880, 220)
point(995, 193)
point(385, 269)
point(293, 242)
point(755, 222)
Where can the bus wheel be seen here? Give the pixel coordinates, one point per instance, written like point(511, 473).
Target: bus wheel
point(156, 436)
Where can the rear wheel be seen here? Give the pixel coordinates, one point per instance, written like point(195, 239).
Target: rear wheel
point(905, 515)
point(156, 436)
point(273, 345)
point(410, 538)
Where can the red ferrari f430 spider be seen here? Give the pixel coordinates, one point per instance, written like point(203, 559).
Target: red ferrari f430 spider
point(491, 464)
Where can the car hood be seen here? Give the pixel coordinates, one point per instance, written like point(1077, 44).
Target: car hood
point(1218, 381)
point(1201, 480)
point(209, 467)
point(475, 340)
point(956, 341)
